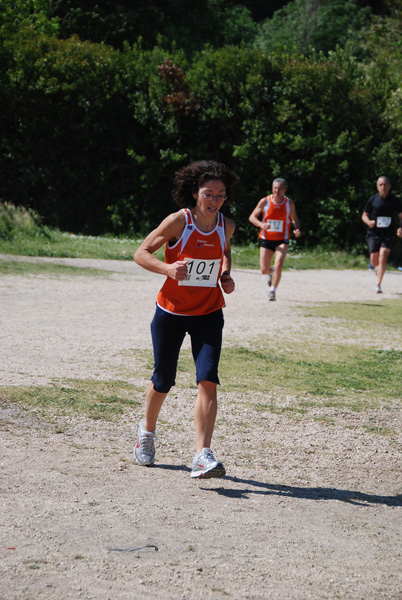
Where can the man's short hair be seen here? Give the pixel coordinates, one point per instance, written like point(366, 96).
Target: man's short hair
point(281, 181)
point(386, 179)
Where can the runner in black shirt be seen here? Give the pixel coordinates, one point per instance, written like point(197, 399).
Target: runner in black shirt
point(378, 215)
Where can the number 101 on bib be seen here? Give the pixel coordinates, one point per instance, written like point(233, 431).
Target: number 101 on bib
point(202, 272)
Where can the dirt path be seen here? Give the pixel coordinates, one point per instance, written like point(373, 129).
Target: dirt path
point(310, 507)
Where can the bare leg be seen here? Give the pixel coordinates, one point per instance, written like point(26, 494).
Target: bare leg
point(374, 259)
point(205, 410)
point(280, 256)
point(382, 264)
point(265, 260)
point(153, 405)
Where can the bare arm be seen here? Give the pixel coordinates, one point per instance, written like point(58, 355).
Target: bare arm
point(399, 230)
point(253, 218)
point(227, 283)
point(295, 219)
point(367, 221)
point(170, 229)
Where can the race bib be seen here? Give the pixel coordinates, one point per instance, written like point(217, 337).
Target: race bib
point(383, 221)
point(202, 272)
point(276, 226)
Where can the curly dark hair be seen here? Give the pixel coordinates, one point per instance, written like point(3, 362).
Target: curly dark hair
point(189, 179)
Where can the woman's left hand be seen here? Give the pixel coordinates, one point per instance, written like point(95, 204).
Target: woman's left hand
point(227, 283)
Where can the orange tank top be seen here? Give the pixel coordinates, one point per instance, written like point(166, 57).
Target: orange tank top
point(199, 293)
point(278, 215)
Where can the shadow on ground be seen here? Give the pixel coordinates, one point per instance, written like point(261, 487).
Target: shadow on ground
point(314, 493)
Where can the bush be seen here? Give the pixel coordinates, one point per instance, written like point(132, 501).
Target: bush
point(18, 221)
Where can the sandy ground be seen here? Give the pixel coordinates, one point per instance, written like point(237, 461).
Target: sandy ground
point(309, 508)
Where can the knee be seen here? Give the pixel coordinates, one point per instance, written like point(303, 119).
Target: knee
point(208, 387)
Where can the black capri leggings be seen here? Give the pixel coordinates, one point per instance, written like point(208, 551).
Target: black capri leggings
point(168, 332)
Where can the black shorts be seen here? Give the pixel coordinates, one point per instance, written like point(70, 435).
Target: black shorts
point(272, 244)
point(375, 242)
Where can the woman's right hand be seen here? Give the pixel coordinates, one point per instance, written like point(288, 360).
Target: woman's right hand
point(177, 270)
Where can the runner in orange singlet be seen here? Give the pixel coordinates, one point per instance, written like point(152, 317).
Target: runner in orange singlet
point(197, 268)
point(277, 211)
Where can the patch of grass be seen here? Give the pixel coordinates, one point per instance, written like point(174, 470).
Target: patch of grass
point(107, 400)
point(20, 267)
point(68, 245)
point(345, 376)
point(378, 430)
point(298, 258)
point(23, 233)
point(385, 313)
point(336, 377)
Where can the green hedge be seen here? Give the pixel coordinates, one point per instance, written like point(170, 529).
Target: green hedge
point(91, 135)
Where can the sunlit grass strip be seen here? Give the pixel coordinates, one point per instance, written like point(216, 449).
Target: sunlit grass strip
point(64, 245)
point(298, 258)
point(23, 233)
point(386, 313)
point(336, 372)
point(20, 267)
point(107, 400)
point(340, 376)
point(352, 380)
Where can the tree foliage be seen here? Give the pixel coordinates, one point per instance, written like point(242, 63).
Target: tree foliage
point(189, 26)
point(93, 128)
point(311, 26)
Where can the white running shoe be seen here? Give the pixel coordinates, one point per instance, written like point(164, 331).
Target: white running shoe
point(144, 450)
point(205, 465)
point(378, 289)
point(272, 296)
